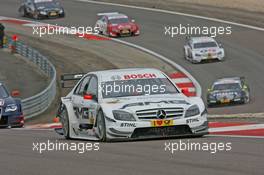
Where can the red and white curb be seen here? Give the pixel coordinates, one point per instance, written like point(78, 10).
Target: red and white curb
point(239, 129)
point(183, 82)
point(215, 128)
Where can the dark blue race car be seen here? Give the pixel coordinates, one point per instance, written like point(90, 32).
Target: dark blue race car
point(39, 9)
point(11, 114)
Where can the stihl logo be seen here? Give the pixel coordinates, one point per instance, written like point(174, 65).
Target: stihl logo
point(139, 76)
point(128, 125)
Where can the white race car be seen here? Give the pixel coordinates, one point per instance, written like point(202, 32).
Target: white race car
point(129, 104)
point(198, 49)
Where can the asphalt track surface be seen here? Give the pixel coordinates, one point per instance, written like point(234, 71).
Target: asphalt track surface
point(244, 48)
point(139, 157)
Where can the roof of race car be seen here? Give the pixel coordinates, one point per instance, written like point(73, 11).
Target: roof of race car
point(128, 74)
point(228, 80)
point(38, 1)
point(113, 15)
point(202, 39)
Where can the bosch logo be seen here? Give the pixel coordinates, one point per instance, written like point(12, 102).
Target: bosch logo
point(139, 76)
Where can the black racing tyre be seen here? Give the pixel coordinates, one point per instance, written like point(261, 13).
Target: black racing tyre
point(101, 126)
point(64, 117)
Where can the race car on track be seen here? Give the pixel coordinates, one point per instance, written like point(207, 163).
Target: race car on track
point(41, 9)
point(116, 24)
point(10, 109)
point(228, 90)
point(198, 49)
point(129, 104)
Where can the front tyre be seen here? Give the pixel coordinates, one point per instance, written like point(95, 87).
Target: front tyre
point(101, 126)
point(22, 12)
point(36, 16)
point(64, 117)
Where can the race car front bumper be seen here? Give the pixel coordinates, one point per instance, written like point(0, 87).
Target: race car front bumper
point(12, 121)
point(144, 129)
point(118, 33)
point(223, 101)
point(206, 57)
point(51, 14)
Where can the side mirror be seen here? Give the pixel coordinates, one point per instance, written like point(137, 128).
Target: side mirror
point(185, 91)
point(220, 45)
point(15, 93)
point(88, 97)
point(209, 90)
point(133, 20)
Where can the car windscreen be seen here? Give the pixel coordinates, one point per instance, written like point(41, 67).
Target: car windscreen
point(204, 45)
point(226, 86)
point(118, 20)
point(3, 92)
point(137, 87)
point(45, 3)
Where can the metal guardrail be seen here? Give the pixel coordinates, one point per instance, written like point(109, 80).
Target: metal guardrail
point(38, 103)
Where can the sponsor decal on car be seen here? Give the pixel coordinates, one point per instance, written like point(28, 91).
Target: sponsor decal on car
point(139, 76)
point(128, 125)
point(159, 123)
point(193, 120)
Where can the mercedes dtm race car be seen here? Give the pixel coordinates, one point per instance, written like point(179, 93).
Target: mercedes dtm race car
point(198, 49)
point(10, 109)
point(116, 24)
point(129, 104)
point(41, 9)
point(228, 90)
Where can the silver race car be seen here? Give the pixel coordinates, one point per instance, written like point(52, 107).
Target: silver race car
point(129, 104)
point(198, 49)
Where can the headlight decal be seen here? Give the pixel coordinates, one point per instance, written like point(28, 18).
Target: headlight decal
point(192, 111)
point(11, 108)
point(123, 115)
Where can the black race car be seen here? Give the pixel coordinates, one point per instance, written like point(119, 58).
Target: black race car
point(41, 9)
point(11, 114)
point(228, 90)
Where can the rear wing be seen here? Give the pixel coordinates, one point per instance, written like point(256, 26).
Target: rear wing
point(107, 14)
point(69, 80)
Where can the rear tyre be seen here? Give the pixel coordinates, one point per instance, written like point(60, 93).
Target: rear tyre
point(101, 126)
point(64, 117)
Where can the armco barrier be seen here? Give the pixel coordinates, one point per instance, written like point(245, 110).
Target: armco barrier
point(38, 103)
